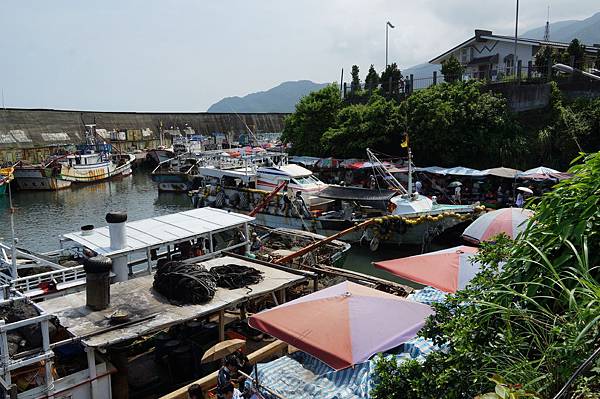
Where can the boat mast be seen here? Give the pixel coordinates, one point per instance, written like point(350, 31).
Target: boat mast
point(13, 246)
point(409, 172)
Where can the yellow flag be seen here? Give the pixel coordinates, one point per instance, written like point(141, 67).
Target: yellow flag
point(405, 142)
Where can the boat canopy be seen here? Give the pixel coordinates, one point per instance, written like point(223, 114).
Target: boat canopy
point(355, 194)
point(290, 170)
point(161, 230)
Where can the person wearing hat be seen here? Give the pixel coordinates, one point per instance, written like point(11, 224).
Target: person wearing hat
point(256, 243)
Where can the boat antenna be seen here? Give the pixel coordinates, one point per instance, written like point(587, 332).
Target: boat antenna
point(379, 168)
point(244, 122)
point(13, 246)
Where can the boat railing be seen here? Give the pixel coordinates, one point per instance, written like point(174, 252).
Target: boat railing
point(42, 355)
point(30, 284)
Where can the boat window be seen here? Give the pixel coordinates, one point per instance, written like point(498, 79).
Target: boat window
point(302, 180)
point(77, 161)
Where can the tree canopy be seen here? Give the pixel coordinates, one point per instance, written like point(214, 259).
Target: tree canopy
point(452, 69)
point(390, 81)
point(355, 84)
point(533, 321)
point(315, 113)
point(372, 79)
point(459, 123)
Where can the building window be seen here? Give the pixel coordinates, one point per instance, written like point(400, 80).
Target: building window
point(464, 55)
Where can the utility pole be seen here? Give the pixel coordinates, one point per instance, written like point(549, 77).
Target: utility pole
point(387, 25)
point(516, 36)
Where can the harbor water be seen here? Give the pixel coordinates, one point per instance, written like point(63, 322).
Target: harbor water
point(41, 217)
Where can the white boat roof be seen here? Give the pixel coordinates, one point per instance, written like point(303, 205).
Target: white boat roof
point(246, 174)
point(162, 230)
point(291, 170)
point(139, 300)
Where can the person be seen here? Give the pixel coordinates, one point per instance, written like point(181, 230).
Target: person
point(500, 196)
point(301, 204)
point(520, 201)
point(287, 201)
point(224, 375)
point(419, 187)
point(195, 392)
point(230, 392)
point(372, 182)
point(457, 194)
point(256, 243)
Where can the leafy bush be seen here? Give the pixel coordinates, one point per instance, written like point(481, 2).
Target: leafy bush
point(534, 320)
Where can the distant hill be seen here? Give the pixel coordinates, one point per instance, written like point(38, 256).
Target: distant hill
point(423, 71)
point(587, 31)
point(282, 98)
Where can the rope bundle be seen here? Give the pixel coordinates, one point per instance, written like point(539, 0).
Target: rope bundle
point(186, 283)
point(191, 283)
point(236, 276)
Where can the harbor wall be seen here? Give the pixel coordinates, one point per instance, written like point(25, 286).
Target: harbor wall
point(32, 134)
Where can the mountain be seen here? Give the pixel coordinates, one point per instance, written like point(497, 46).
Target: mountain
point(282, 98)
point(423, 71)
point(587, 31)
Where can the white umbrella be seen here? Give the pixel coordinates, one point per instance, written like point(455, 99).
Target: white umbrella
point(525, 190)
point(455, 184)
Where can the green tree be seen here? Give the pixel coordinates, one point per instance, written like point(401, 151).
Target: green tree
point(546, 56)
point(576, 50)
point(355, 84)
point(315, 113)
point(461, 124)
point(376, 124)
point(452, 69)
point(390, 81)
point(372, 79)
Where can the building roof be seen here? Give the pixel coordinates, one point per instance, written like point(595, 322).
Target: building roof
point(140, 301)
point(487, 35)
point(161, 230)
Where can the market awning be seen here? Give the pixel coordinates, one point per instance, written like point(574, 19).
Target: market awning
point(456, 171)
point(345, 324)
point(355, 194)
point(306, 161)
point(448, 270)
point(506, 173)
point(543, 173)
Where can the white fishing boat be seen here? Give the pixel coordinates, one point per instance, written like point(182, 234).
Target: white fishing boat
point(95, 162)
point(397, 215)
point(43, 176)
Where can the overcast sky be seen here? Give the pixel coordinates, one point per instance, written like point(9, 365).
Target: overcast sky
point(184, 55)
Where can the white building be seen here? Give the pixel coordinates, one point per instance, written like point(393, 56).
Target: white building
point(489, 56)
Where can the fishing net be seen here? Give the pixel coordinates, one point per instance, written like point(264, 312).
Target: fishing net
point(236, 276)
point(185, 283)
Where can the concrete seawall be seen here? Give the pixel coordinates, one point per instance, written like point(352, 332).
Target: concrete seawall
point(33, 133)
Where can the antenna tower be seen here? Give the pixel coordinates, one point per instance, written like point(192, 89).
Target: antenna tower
point(547, 30)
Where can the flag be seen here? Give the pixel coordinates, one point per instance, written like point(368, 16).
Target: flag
point(405, 142)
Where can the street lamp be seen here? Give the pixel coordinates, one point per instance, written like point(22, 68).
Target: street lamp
point(516, 33)
point(387, 25)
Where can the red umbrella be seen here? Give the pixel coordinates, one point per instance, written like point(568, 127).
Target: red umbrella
point(345, 324)
point(448, 270)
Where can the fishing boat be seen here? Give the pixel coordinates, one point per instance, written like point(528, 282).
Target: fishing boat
point(6, 176)
point(280, 242)
point(176, 174)
point(96, 163)
point(395, 215)
point(159, 155)
point(43, 176)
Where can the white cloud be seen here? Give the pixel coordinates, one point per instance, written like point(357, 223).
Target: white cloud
point(183, 55)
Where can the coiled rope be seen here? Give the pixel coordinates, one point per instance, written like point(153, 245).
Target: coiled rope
point(191, 283)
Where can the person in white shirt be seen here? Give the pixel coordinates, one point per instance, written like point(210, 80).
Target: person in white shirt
point(418, 186)
point(520, 200)
point(457, 194)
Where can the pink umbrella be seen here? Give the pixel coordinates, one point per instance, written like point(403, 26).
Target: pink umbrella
point(448, 270)
point(345, 324)
point(510, 221)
